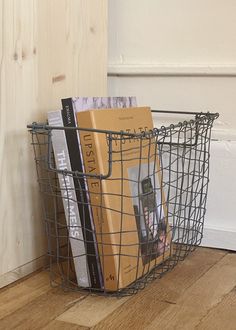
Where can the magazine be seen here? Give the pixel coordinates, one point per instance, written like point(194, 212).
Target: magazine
point(148, 210)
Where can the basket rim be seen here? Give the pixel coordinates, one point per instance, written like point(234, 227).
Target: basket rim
point(199, 116)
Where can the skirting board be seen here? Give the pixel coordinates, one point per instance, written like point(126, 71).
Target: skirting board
point(22, 271)
point(220, 239)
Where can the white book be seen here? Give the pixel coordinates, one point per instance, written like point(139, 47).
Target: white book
point(66, 183)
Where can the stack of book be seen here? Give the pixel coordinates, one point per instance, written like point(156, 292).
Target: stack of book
point(117, 223)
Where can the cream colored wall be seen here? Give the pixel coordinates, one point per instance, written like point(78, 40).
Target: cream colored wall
point(167, 32)
point(177, 38)
point(49, 49)
point(181, 54)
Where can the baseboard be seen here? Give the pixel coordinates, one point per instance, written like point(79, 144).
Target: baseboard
point(22, 271)
point(218, 238)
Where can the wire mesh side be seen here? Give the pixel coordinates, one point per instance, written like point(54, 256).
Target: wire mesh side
point(177, 161)
point(60, 266)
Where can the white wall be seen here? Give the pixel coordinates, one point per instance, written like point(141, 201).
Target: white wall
point(181, 54)
point(172, 31)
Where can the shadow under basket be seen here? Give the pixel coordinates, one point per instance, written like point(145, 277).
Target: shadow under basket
point(149, 215)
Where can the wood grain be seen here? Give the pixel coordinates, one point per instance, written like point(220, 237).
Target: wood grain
point(59, 325)
point(191, 296)
point(21, 294)
point(198, 299)
point(40, 311)
point(22, 234)
point(92, 310)
point(142, 308)
point(22, 271)
point(49, 49)
point(222, 316)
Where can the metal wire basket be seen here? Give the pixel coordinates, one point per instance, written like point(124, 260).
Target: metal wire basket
point(169, 205)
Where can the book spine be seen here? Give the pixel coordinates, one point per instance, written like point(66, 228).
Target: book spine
point(80, 184)
point(69, 197)
point(106, 246)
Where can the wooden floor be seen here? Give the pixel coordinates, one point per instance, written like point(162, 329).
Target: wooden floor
point(200, 293)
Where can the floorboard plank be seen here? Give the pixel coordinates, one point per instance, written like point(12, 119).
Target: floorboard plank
point(14, 297)
point(165, 303)
point(92, 310)
point(59, 325)
point(198, 299)
point(41, 311)
point(141, 309)
point(222, 316)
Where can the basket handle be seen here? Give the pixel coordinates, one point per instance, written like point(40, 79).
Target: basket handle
point(78, 173)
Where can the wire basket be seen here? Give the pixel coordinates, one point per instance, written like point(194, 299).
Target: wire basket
point(168, 191)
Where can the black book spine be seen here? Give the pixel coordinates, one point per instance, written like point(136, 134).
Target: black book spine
point(81, 194)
